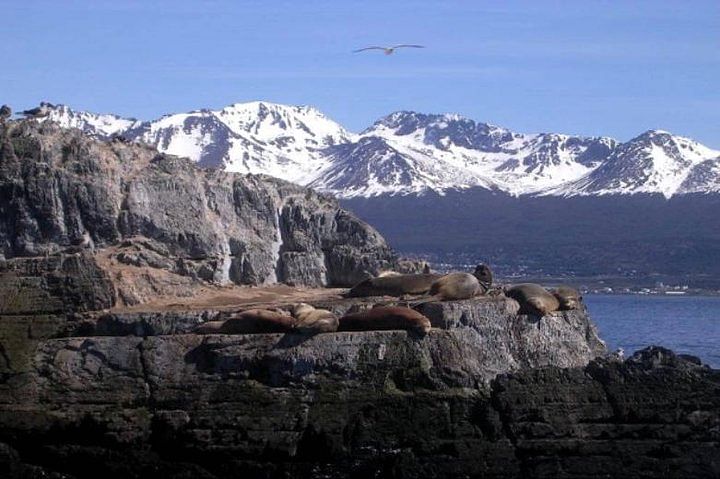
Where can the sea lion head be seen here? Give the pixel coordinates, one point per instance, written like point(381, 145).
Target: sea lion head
point(484, 275)
point(569, 298)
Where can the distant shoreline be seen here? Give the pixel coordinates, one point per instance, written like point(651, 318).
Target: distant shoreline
point(611, 286)
point(615, 286)
point(705, 294)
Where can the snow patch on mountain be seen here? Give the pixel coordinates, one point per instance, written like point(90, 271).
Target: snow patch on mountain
point(99, 125)
point(279, 140)
point(372, 166)
point(515, 163)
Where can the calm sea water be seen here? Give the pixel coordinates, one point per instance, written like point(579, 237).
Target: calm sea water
point(685, 324)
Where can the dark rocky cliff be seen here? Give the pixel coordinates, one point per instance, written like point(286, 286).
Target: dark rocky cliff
point(61, 191)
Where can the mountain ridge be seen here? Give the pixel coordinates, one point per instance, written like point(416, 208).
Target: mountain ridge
point(407, 152)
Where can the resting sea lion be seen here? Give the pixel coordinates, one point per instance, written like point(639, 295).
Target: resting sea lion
point(455, 286)
point(395, 285)
point(533, 299)
point(385, 318)
point(314, 320)
point(484, 275)
point(258, 321)
point(569, 298)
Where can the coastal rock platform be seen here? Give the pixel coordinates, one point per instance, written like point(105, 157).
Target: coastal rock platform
point(486, 393)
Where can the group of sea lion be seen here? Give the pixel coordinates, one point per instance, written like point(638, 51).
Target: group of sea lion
point(304, 318)
point(453, 286)
point(533, 298)
point(538, 301)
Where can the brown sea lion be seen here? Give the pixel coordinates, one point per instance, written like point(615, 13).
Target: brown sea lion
point(314, 320)
point(533, 299)
point(395, 285)
point(569, 298)
point(484, 275)
point(455, 286)
point(258, 321)
point(385, 318)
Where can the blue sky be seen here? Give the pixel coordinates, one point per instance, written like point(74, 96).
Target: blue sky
point(612, 68)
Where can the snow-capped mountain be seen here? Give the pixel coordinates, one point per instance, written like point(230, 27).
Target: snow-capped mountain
point(411, 153)
point(256, 137)
point(654, 162)
point(489, 155)
point(372, 166)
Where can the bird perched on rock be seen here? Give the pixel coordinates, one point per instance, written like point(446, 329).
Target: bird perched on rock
point(5, 112)
point(388, 50)
point(39, 112)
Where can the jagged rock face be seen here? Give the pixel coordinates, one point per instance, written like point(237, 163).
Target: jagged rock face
point(60, 190)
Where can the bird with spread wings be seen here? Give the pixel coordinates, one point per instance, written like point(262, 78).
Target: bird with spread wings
point(388, 50)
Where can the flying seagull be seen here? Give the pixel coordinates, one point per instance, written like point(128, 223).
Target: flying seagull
point(388, 50)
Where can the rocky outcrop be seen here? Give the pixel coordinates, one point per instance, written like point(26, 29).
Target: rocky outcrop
point(105, 385)
point(137, 396)
point(63, 192)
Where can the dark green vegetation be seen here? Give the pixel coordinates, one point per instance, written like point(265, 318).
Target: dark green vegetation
point(632, 235)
